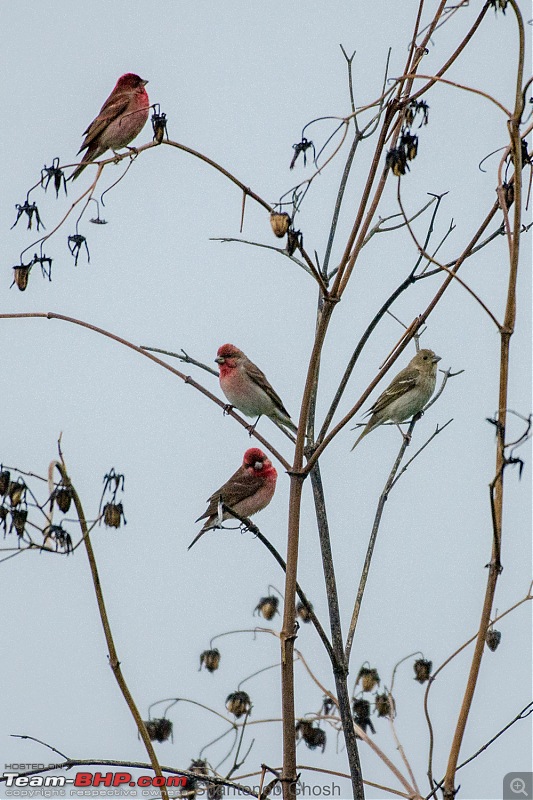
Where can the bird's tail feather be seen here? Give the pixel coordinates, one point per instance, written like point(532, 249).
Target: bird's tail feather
point(204, 530)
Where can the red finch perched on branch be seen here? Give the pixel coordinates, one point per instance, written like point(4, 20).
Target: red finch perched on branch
point(248, 491)
point(247, 388)
point(408, 393)
point(121, 119)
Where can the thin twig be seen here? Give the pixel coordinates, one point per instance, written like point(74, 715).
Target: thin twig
point(442, 267)
point(280, 250)
point(183, 356)
point(372, 541)
point(39, 741)
point(408, 463)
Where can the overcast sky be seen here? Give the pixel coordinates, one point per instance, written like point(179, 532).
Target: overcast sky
point(238, 81)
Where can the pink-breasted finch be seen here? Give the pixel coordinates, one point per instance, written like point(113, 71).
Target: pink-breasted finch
point(121, 119)
point(248, 491)
point(247, 388)
point(407, 394)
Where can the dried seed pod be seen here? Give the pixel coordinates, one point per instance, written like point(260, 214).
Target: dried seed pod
point(267, 606)
point(21, 274)
point(508, 194)
point(238, 703)
point(360, 707)
point(5, 479)
point(361, 714)
point(280, 222)
point(211, 660)
point(412, 110)
point(113, 515)
point(313, 736)
point(369, 678)
point(159, 730)
point(327, 705)
point(422, 670)
point(19, 517)
point(294, 240)
point(304, 611)
point(159, 126)
point(396, 160)
point(303, 727)
point(492, 639)
point(60, 537)
point(499, 5)
point(199, 766)
point(17, 492)
point(384, 705)
point(3, 518)
point(409, 142)
point(63, 497)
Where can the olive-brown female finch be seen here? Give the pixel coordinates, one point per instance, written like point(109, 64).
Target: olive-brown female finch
point(248, 491)
point(408, 393)
point(247, 388)
point(121, 119)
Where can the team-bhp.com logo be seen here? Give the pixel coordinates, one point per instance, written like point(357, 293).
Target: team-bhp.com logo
point(92, 779)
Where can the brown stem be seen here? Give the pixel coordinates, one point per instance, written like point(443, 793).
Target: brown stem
point(288, 632)
point(114, 663)
point(505, 336)
point(457, 52)
point(287, 637)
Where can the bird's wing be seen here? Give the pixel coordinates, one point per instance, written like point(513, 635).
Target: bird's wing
point(112, 108)
point(404, 381)
point(241, 485)
point(259, 377)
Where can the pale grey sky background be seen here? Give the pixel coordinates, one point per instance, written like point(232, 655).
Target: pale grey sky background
point(238, 81)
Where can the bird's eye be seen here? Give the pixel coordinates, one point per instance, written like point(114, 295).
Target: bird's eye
point(258, 465)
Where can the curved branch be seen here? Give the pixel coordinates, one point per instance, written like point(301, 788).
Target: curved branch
point(185, 378)
point(434, 78)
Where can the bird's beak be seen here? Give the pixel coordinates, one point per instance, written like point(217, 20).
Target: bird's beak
point(436, 359)
point(219, 359)
point(143, 83)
